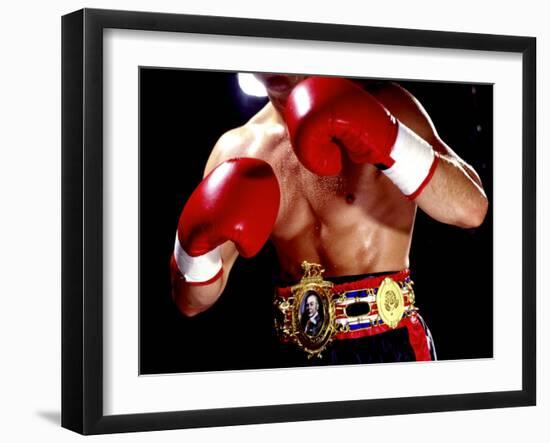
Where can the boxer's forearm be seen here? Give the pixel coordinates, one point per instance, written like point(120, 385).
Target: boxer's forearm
point(454, 195)
point(192, 299)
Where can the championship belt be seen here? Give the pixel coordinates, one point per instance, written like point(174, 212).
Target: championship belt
point(313, 313)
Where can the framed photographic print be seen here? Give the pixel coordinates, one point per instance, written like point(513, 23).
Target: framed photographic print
point(270, 221)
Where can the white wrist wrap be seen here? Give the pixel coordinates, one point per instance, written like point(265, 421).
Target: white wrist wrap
point(197, 269)
point(413, 158)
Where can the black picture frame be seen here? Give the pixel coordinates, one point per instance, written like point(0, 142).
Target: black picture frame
point(82, 220)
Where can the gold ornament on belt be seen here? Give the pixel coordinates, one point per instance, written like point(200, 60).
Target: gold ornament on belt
point(309, 319)
point(390, 301)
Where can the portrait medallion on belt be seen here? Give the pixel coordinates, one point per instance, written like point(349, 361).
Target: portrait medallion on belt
point(313, 324)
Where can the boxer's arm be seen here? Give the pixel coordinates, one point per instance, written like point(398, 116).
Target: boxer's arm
point(194, 299)
point(207, 279)
point(455, 194)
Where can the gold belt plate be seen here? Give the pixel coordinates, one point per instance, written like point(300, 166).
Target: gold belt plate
point(390, 302)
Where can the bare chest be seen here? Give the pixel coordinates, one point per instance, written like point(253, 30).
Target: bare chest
point(360, 194)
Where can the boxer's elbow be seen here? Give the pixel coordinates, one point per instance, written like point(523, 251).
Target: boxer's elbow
point(472, 213)
point(188, 308)
point(194, 299)
point(189, 312)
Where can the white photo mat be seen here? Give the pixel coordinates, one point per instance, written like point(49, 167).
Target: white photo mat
point(126, 392)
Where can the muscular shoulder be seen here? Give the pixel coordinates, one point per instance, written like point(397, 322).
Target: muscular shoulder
point(233, 143)
point(256, 139)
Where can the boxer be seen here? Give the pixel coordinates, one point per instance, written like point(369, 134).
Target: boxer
point(332, 173)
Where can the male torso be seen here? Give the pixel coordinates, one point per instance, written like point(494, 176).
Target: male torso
point(354, 223)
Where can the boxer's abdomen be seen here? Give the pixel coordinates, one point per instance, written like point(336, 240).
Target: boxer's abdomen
point(354, 223)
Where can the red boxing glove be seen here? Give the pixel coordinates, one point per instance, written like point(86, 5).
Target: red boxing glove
point(237, 201)
point(326, 116)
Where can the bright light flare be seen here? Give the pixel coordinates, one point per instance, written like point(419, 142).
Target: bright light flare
point(250, 85)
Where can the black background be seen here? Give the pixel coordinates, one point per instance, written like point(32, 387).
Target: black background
point(182, 114)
